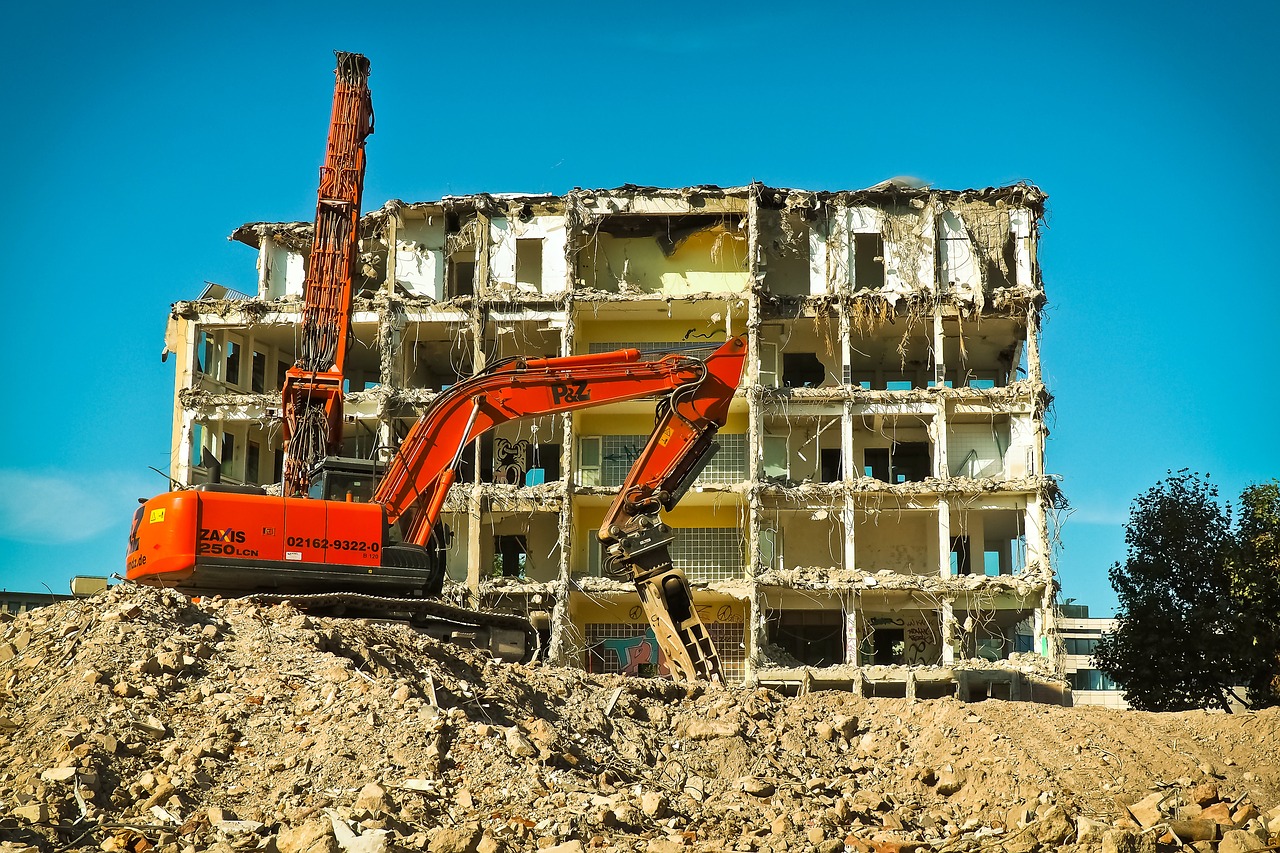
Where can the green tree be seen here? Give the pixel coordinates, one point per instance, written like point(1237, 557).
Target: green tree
point(1175, 646)
point(1255, 586)
point(1199, 602)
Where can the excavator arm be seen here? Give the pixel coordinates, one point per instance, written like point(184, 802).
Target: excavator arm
point(312, 393)
point(425, 466)
point(637, 541)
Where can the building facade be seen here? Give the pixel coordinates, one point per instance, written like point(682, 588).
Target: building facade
point(879, 513)
point(1080, 634)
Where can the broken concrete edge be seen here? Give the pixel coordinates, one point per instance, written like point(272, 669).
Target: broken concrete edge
point(297, 235)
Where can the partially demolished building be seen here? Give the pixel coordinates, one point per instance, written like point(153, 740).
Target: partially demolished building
point(879, 511)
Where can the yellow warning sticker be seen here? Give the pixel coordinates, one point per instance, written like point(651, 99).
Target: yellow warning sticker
point(157, 516)
point(666, 436)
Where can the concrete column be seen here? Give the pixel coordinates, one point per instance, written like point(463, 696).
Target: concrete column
point(947, 617)
point(183, 472)
point(911, 685)
point(389, 284)
point(474, 529)
point(941, 458)
point(1033, 344)
point(851, 638)
point(939, 350)
point(1037, 533)
point(944, 538)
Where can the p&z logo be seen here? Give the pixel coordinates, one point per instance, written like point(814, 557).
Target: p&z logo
point(569, 392)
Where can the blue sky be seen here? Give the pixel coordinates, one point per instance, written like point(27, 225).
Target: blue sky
point(140, 135)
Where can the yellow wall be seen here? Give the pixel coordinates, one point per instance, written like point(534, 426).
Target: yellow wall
point(690, 269)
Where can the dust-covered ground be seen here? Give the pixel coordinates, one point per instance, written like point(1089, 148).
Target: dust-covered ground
point(138, 720)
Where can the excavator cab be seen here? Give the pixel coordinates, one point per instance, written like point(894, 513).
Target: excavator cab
point(344, 478)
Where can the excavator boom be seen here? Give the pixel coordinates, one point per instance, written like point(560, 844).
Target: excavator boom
point(312, 393)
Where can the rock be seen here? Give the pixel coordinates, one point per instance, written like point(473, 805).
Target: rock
point(697, 728)
point(374, 798)
point(1219, 813)
point(1054, 827)
point(369, 841)
point(32, 813)
point(1147, 810)
point(1128, 841)
point(519, 745)
point(574, 846)
point(663, 845)
point(845, 726)
point(1239, 841)
point(653, 804)
point(825, 731)
point(1089, 831)
point(58, 774)
point(1203, 794)
point(455, 839)
point(949, 783)
point(1196, 829)
point(757, 787)
point(218, 814)
point(1244, 814)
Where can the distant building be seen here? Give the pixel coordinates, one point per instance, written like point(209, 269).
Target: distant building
point(20, 602)
point(1080, 633)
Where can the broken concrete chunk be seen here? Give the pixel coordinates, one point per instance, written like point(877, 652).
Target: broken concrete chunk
point(33, 813)
point(1128, 841)
point(374, 798)
point(454, 839)
point(1240, 841)
point(58, 774)
point(315, 836)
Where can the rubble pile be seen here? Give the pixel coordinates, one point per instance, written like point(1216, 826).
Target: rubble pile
point(139, 720)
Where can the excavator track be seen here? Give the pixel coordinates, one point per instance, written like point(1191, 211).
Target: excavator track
point(507, 636)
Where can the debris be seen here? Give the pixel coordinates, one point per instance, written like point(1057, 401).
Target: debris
point(270, 740)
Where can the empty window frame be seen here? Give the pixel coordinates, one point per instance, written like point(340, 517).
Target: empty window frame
point(802, 370)
point(813, 637)
point(529, 264)
point(258, 373)
point(510, 553)
point(905, 462)
point(868, 261)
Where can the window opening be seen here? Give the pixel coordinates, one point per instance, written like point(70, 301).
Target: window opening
point(197, 444)
point(814, 637)
point(228, 454)
point(961, 556)
point(252, 458)
point(529, 264)
point(831, 465)
point(232, 374)
point(890, 646)
point(868, 261)
point(258, 376)
point(802, 370)
point(509, 556)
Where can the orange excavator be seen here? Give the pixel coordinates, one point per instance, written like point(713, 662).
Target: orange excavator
point(316, 544)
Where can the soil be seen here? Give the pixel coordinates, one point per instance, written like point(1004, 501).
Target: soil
point(140, 720)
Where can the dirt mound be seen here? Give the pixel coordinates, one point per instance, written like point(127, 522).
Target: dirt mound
point(139, 720)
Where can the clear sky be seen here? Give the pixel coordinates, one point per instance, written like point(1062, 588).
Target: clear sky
point(139, 135)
